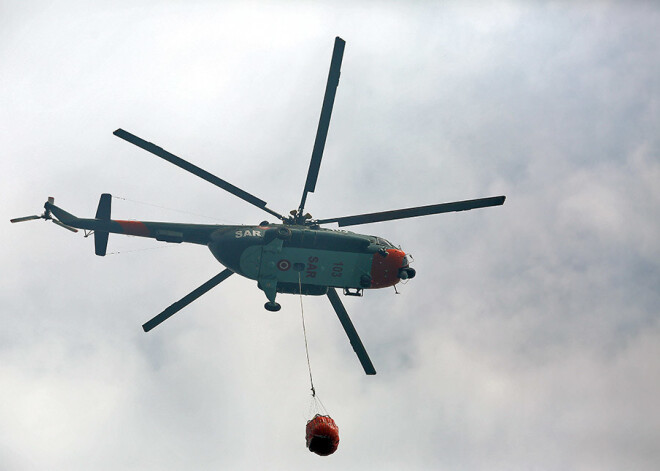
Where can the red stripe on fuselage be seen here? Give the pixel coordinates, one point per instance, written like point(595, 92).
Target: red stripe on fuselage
point(135, 228)
point(385, 270)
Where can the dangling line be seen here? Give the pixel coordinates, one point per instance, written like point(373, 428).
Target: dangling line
point(166, 208)
point(141, 250)
point(302, 315)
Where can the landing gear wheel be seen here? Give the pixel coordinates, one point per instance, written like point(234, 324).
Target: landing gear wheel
point(272, 306)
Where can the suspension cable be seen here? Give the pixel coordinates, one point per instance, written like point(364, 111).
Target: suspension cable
point(164, 246)
point(166, 208)
point(302, 316)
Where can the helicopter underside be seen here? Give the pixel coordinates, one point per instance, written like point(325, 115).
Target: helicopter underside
point(303, 260)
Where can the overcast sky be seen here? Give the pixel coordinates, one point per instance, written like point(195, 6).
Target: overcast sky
point(528, 340)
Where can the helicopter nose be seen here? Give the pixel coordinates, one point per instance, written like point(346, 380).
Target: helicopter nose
point(386, 270)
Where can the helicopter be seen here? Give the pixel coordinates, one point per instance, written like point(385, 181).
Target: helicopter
point(295, 255)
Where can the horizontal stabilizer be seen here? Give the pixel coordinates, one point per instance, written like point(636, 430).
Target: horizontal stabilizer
point(102, 213)
point(103, 210)
point(100, 242)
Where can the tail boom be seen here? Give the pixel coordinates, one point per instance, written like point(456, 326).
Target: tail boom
point(163, 231)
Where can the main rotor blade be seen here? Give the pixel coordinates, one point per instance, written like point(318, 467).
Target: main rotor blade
point(324, 120)
point(416, 211)
point(187, 299)
point(353, 336)
point(26, 218)
point(195, 170)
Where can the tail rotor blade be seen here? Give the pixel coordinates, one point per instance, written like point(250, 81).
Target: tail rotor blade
point(187, 299)
point(26, 218)
point(61, 224)
point(353, 336)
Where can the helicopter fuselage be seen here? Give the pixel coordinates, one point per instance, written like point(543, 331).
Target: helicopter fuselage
point(305, 259)
point(282, 258)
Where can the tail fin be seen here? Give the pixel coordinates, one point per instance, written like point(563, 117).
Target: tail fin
point(102, 213)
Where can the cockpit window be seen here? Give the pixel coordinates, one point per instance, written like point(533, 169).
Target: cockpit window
point(385, 242)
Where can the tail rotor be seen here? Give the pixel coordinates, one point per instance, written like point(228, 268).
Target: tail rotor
point(47, 216)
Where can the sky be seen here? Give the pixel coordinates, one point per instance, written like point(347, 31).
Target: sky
point(529, 339)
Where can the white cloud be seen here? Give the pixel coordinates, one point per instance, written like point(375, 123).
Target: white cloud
point(529, 337)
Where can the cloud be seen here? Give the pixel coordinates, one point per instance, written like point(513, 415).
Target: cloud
point(527, 340)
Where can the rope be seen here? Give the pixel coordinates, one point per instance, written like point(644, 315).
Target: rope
point(302, 316)
point(166, 208)
point(141, 250)
point(316, 407)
